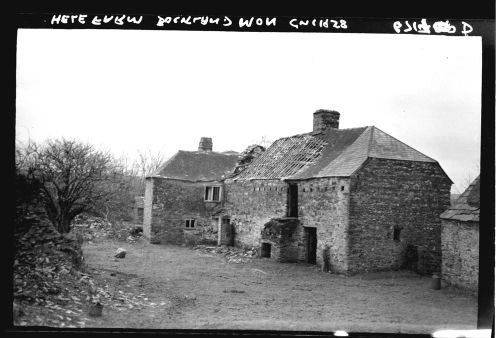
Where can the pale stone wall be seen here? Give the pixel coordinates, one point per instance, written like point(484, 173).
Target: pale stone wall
point(251, 204)
point(460, 254)
point(324, 205)
point(148, 205)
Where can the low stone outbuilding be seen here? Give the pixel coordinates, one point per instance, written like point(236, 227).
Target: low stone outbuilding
point(351, 200)
point(460, 240)
point(184, 197)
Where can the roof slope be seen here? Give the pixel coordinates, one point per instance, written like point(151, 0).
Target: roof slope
point(466, 208)
point(336, 152)
point(198, 166)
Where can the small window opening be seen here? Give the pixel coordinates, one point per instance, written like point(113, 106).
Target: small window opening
point(342, 188)
point(190, 223)
point(397, 234)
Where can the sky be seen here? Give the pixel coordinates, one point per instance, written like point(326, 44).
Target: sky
point(138, 90)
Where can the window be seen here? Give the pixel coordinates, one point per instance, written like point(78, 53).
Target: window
point(397, 234)
point(212, 194)
point(190, 223)
point(225, 220)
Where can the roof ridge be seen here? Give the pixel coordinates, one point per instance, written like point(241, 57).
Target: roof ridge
point(354, 128)
point(370, 140)
point(208, 152)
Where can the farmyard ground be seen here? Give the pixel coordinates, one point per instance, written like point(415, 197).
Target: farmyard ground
point(181, 288)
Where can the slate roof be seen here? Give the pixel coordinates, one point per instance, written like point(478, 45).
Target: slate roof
point(466, 208)
point(197, 166)
point(335, 152)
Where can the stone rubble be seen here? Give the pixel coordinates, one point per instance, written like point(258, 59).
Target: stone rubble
point(231, 254)
point(51, 284)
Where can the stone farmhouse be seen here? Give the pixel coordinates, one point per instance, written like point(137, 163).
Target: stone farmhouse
point(183, 198)
point(460, 240)
point(350, 200)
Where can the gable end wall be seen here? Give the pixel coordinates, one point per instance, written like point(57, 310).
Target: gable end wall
point(392, 193)
point(174, 201)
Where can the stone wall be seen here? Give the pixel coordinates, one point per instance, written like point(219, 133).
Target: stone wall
point(324, 204)
point(251, 204)
point(148, 208)
point(388, 194)
point(282, 234)
point(174, 201)
point(460, 254)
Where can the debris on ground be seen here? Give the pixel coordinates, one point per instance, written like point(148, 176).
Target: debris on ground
point(120, 253)
point(232, 254)
point(52, 286)
point(93, 228)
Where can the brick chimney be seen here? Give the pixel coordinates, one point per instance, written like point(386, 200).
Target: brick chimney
point(324, 120)
point(205, 144)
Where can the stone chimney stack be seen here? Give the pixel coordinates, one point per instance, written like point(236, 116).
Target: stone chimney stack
point(325, 120)
point(205, 144)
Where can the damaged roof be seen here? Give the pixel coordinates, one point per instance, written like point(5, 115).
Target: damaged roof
point(335, 152)
point(466, 208)
point(198, 166)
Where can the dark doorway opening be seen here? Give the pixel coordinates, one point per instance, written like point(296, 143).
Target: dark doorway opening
point(311, 242)
point(265, 250)
point(293, 200)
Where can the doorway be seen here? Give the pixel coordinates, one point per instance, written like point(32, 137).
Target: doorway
point(311, 243)
point(292, 200)
point(265, 250)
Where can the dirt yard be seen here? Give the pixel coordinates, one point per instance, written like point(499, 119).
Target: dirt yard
point(185, 288)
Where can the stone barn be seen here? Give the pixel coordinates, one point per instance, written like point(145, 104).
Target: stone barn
point(184, 197)
point(350, 200)
point(460, 240)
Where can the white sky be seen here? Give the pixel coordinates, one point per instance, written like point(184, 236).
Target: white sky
point(129, 90)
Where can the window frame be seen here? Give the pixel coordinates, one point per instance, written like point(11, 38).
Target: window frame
point(189, 223)
point(210, 193)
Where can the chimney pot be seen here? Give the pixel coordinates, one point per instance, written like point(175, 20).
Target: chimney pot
point(325, 120)
point(205, 144)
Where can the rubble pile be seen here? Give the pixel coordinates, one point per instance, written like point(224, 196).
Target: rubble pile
point(51, 286)
point(45, 273)
point(93, 228)
point(232, 254)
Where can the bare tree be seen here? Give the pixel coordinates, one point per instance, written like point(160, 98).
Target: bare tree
point(26, 185)
point(127, 182)
point(471, 176)
point(71, 176)
point(148, 162)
